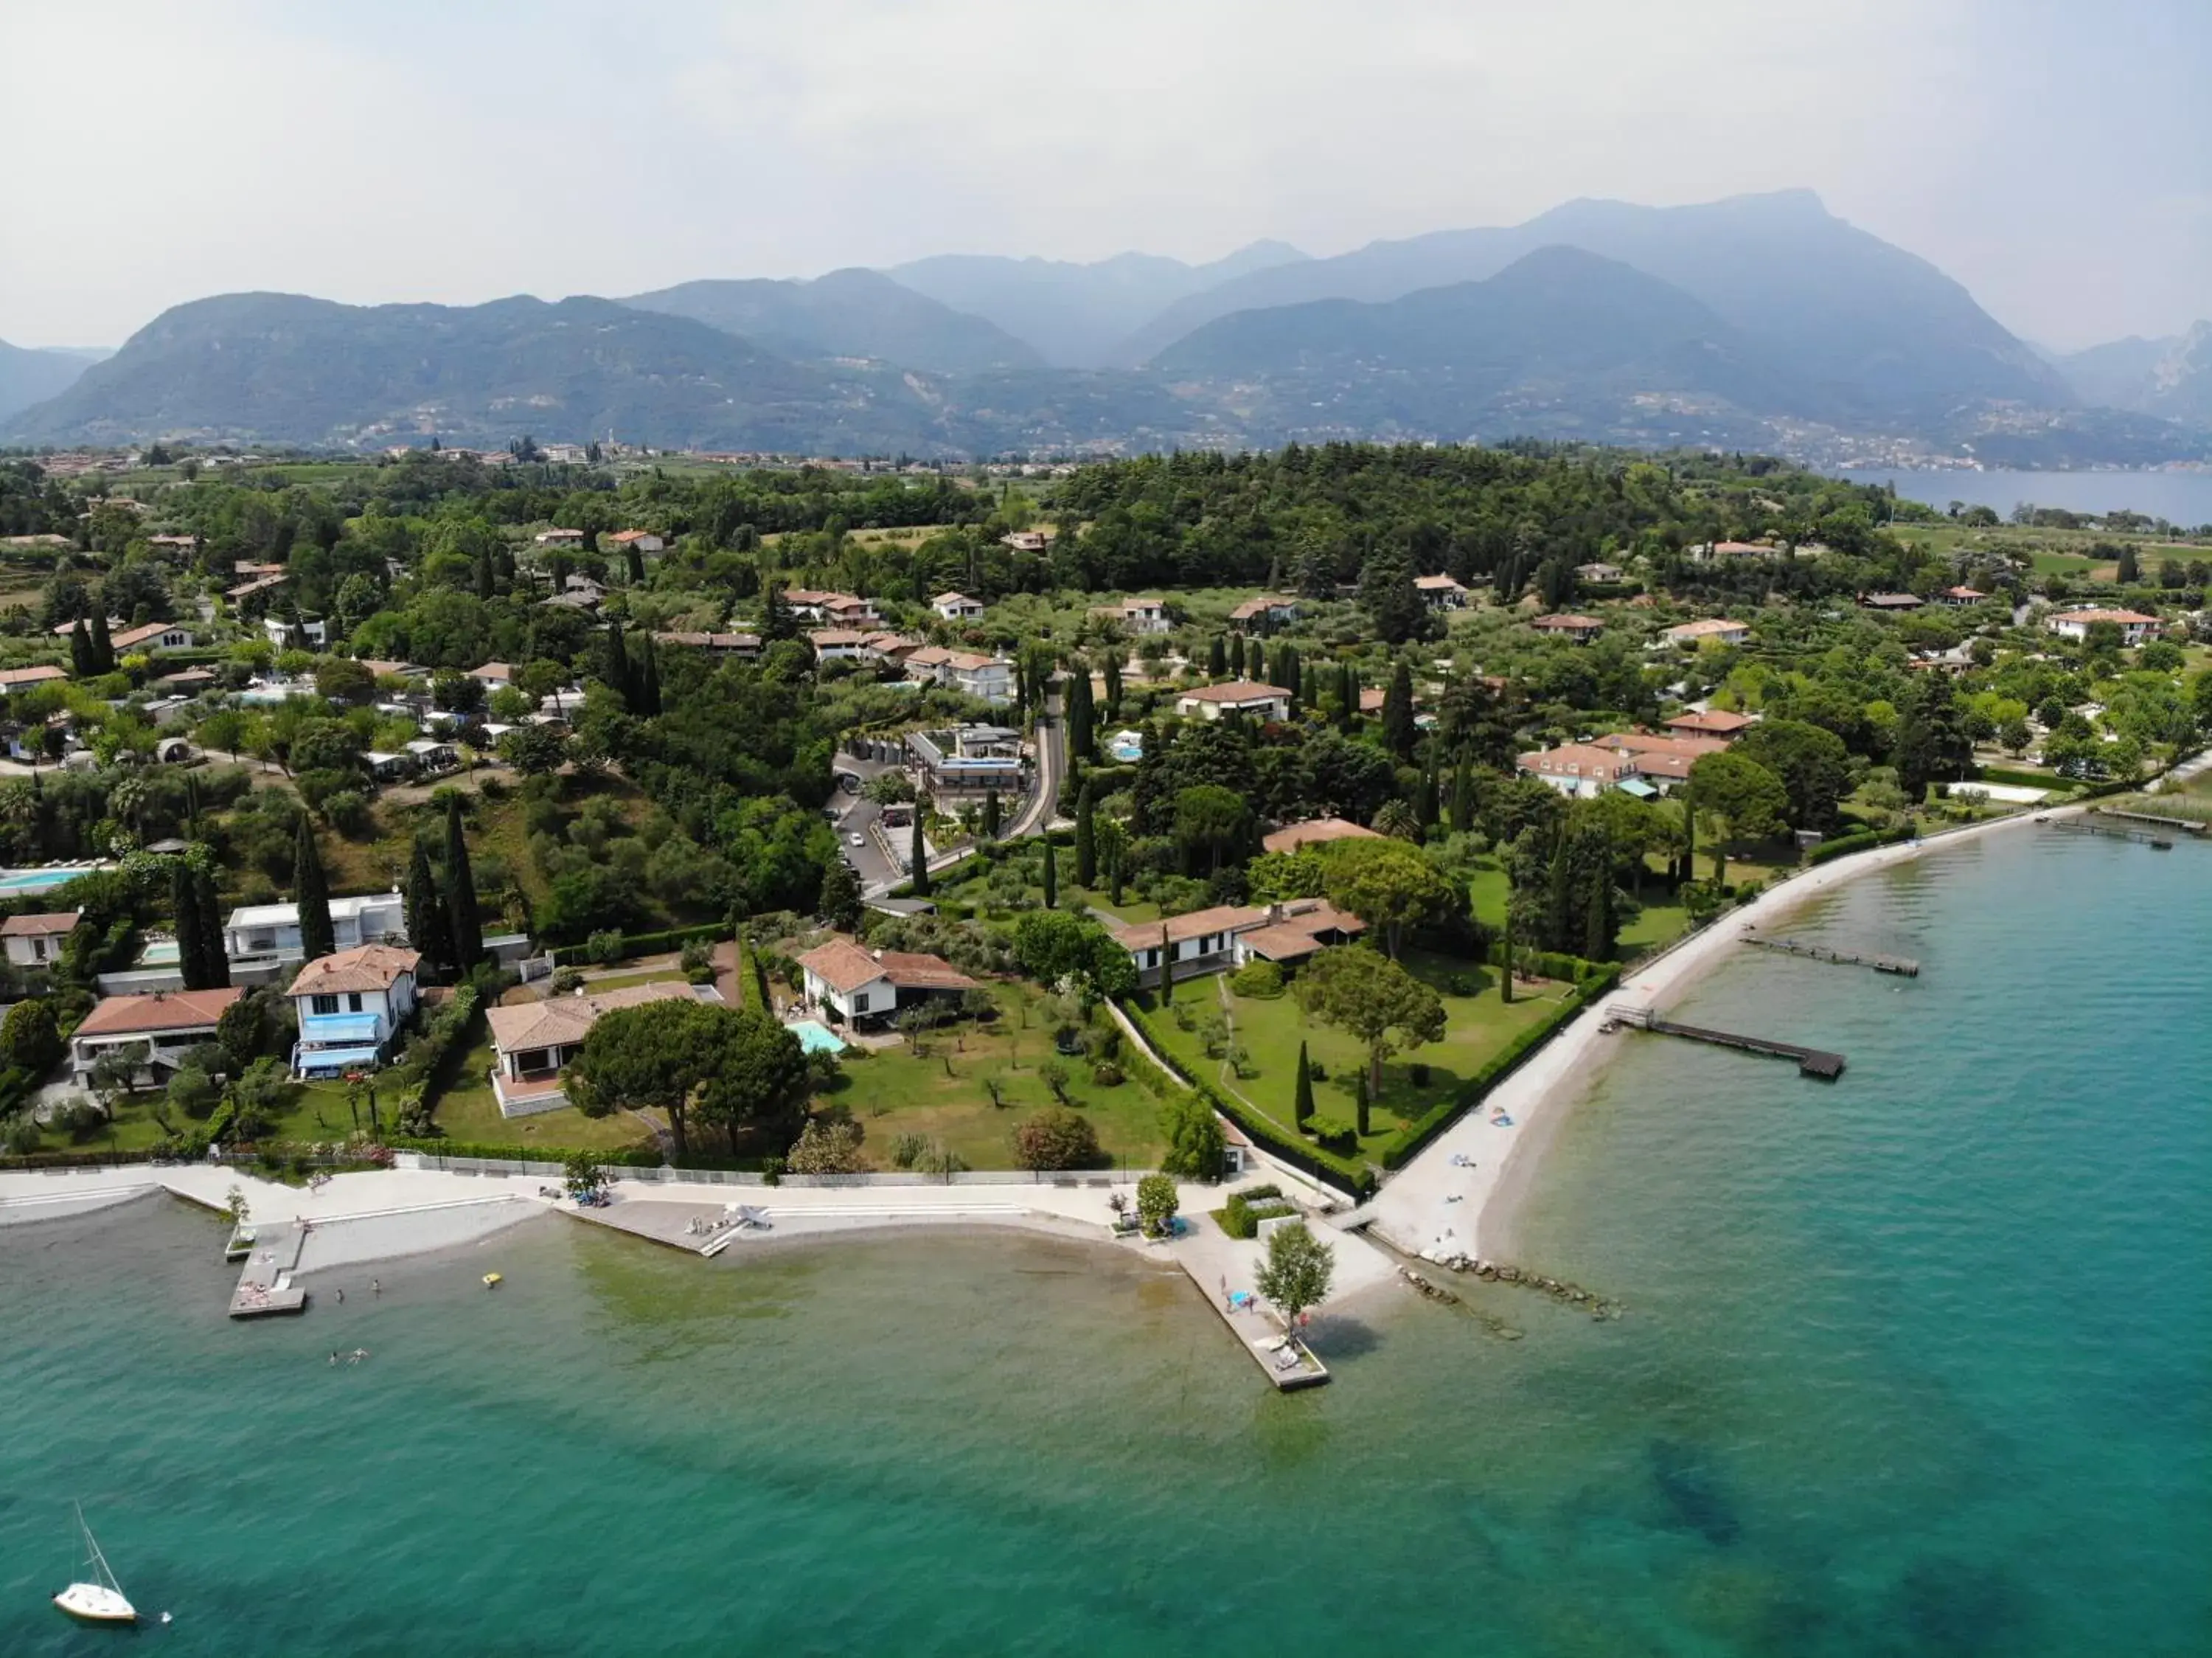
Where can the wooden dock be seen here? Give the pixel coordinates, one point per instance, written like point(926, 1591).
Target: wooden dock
point(1903, 966)
point(2186, 826)
point(2141, 836)
point(265, 1287)
point(1811, 1062)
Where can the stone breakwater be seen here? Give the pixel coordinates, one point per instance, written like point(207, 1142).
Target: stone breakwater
point(1570, 1295)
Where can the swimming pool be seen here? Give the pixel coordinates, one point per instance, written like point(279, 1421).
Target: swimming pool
point(816, 1036)
point(159, 953)
point(37, 881)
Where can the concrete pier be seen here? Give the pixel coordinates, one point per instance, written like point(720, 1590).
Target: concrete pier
point(265, 1287)
point(1903, 966)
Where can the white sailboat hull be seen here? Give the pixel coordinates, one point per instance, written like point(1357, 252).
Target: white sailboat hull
point(95, 1603)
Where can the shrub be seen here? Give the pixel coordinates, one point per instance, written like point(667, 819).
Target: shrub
point(697, 962)
point(1156, 1203)
point(1056, 1138)
point(80, 1119)
point(906, 1150)
point(603, 946)
point(347, 811)
point(30, 1038)
point(1262, 979)
point(24, 1137)
point(567, 981)
point(1334, 1133)
point(827, 1148)
point(1418, 1072)
point(1107, 1074)
point(1462, 984)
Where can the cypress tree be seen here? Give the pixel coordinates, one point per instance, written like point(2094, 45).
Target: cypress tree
point(1347, 696)
point(1256, 660)
point(1505, 978)
point(763, 993)
point(1425, 801)
point(82, 665)
point(1463, 798)
point(1113, 671)
point(1086, 839)
point(614, 663)
point(1359, 1103)
point(776, 620)
point(214, 957)
point(920, 856)
point(991, 815)
point(1302, 1102)
point(1113, 873)
point(487, 575)
point(192, 947)
point(1597, 924)
point(648, 675)
point(636, 565)
point(1082, 737)
point(1286, 672)
point(427, 928)
point(1690, 833)
point(461, 912)
point(103, 649)
point(1051, 876)
point(1167, 967)
point(312, 893)
point(1399, 730)
point(1217, 658)
point(1237, 656)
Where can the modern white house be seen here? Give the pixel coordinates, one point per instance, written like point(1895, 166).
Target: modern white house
point(1575, 630)
point(1268, 610)
point(1440, 592)
point(643, 540)
point(991, 679)
point(534, 1041)
point(351, 1008)
point(1211, 702)
point(2134, 627)
point(159, 1030)
point(1139, 616)
point(1231, 935)
point(308, 633)
point(956, 606)
point(273, 930)
point(857, 986)
point(36, 940)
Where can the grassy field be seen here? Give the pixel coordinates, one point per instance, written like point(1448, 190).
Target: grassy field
point(1270, 1030)
point(941, 1092)
point(467, 1110)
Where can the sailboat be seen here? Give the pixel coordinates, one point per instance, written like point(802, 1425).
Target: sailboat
point(101, 1600)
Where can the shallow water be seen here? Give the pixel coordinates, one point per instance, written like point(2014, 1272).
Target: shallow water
point(1915, 1363)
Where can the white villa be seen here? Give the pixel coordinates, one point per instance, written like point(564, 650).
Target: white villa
point(1718, 629)
point(535, 1040)
point(1581, 770)
point(273, 930)
point(2134, 627)
point(36, 940)
point(1211, 702)
point(1232, 934)
point(160, 1029)
point(858, 986)
point(1440, 592)
point(1139, 616)
point(956, 606)
point(351, 1007)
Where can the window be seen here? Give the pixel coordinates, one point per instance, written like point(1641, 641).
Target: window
point(353, 1001)
point(860, 1003)
point(324, 1004)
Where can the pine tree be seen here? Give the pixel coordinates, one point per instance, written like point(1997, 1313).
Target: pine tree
point(313, 891)
point(192, 947)
point(1398, 731)
point(614, 664)
point(1051, 876)
point(1360, 1104)
point(1086, 839)
point(991, 815)
point(214, 957)
point(82, 663)
point(648, 676)
point(103, 648)
point(425, 911)
point(1217, 658)
point(920, 856)
point(461, 893)
point(1302, 1106)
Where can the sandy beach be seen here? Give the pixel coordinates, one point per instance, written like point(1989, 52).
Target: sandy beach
point(1458, 1196)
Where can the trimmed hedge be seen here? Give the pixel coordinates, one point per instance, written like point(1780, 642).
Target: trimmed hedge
point(2021, 779)
point(1859, 840)
point(637, 944)
point(1590, 984)
point(520, 1153)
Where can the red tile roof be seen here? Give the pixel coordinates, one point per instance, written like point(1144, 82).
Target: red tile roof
point(164, 1010)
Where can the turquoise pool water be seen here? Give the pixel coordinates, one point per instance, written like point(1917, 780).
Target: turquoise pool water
point(816, 1036)
point(161, 952)
point(36, 880)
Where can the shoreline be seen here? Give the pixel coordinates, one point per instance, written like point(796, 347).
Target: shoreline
point(1436, 1209)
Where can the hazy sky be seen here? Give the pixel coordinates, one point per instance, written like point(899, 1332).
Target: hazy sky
point(2055, 156)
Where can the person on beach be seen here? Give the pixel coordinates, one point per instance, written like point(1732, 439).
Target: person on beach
point(341, 1298)
point(376, 1286)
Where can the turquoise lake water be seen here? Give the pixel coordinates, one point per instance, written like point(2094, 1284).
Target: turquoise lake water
point(1916, 1363)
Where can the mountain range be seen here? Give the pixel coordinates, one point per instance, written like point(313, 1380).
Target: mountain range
point(1760, 321)
point(31, 375)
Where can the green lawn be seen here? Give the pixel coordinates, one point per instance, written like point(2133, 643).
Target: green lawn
point(625, 981)
point(467, 1110)
point(1270, 1030)
point(941, 1095)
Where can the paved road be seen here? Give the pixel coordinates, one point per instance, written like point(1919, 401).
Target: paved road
point(1051, 766)
point(879, 873)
